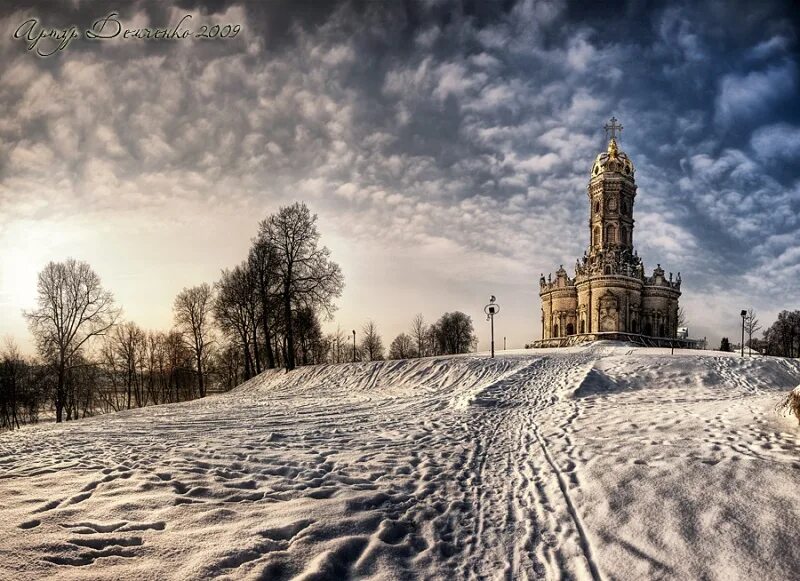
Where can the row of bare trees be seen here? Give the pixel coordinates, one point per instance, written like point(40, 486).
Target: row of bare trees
point(139, 368)
point(261, 314)
point(89, 360)
point(453, 333)
point(127, 367)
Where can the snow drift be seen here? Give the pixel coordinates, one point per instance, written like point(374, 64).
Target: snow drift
point(594, 462)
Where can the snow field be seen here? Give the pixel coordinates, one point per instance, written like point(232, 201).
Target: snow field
point(594, 462)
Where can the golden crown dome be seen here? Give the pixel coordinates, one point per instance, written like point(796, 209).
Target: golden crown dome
point(613, 160)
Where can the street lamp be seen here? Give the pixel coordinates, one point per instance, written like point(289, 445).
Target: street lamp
point(744, 316)
point(491, 310)
point(354, 345)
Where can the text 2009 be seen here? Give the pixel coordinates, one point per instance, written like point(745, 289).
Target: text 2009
point(217, 31)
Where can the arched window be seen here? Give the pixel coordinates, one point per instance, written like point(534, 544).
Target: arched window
point(570, 329)
point(624, 235)
point(555, 331)
point(661, 331)
point(583, 326)
point(608, 269)
point(634, 326)
point(611, 234)
point(596, 207)
point(648, 329)
point(596, 241)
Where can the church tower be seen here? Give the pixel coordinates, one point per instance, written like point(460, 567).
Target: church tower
point(609, 296)
point(611, 190)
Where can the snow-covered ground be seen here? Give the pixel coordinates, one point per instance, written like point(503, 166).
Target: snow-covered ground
point(594, 462)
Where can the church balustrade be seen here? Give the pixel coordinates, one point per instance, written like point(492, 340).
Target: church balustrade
point(637, 339)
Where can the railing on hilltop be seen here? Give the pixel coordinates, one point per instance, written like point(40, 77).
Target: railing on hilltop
point(643, 340)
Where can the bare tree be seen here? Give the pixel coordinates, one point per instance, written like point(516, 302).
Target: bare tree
point(128, 342)
point(402, 347)
point(263, 264)
point(72, 308)
point(110, 393)
point(454, 333)
point(228, 364)
point(419, 333)
point(782, 337)
point(337, 343)
point(235, 312)
point(431, 344)
point(11, 367)
point(193, 317)
point(683, 321)
point(179, 367)
point(751, 325)
point(154, 360)
point(308, 334)
point(82, 388)
point(308, 277)
point(371, 342)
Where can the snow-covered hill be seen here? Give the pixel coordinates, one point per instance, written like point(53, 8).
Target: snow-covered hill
point(594, 462)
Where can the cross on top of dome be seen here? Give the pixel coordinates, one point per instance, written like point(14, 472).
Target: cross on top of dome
point(613, 127)
point(612, 159)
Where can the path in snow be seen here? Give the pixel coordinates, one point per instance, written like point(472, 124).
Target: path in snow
point(599, 462)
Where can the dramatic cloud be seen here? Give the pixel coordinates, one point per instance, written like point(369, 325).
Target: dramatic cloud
point(446, 149)
point(746, 97)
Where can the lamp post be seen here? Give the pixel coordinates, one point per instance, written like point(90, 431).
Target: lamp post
point(744, 316)
point(354, 345)
point(491, 310)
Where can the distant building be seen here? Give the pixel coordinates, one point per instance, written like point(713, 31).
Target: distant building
point(610, 292)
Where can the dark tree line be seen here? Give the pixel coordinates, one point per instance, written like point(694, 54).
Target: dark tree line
point(22, 388)
point(782, 338)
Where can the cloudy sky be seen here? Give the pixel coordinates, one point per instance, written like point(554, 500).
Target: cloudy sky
point(445, 146)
